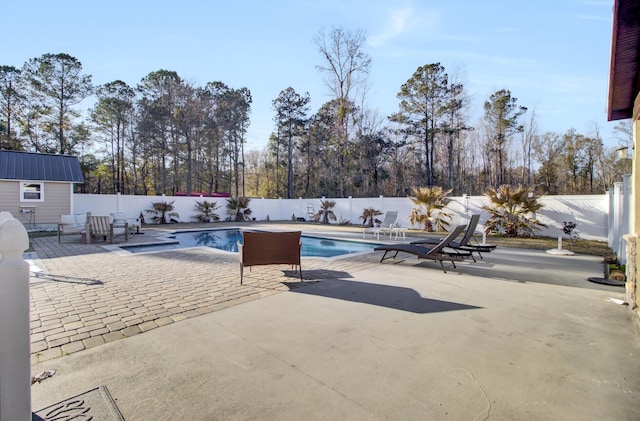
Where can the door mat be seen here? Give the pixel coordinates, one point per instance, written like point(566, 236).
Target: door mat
point(95, 404)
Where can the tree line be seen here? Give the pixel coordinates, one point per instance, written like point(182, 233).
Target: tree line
point(167, 135)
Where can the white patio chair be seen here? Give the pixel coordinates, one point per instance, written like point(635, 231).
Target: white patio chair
point(387, 224)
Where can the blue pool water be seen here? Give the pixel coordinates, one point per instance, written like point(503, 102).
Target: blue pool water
point(228, 240)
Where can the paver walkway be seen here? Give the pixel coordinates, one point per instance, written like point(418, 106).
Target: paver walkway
point(87, 296)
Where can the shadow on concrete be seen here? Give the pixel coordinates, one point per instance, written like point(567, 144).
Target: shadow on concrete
point(40, 277)
point(398, 298)
point(317, 274)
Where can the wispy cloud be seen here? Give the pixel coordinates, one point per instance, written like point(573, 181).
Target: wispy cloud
point(404, 22)
point(396, 26)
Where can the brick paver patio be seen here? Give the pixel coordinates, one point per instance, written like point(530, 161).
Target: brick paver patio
point(87, 296)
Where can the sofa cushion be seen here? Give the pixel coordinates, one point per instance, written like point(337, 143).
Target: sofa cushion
point(68, 220)
point(80, 218)
point(73, 223)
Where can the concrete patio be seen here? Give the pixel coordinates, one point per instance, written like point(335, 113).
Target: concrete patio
point(519, 335)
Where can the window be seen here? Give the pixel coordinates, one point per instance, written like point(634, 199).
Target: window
point(31, 191)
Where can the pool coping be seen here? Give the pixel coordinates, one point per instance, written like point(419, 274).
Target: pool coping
point(165, 238)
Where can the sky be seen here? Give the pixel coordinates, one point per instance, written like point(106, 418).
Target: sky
point(552, 55)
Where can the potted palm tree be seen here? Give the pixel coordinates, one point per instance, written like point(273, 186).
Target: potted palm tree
point(369, 216)
point(238, 208)
point(429, 209)
point(512, 211)
point(206, 211)
point(325, 213)
point(162, 213)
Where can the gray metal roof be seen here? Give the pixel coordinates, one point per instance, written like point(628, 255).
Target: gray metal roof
point(16, 165)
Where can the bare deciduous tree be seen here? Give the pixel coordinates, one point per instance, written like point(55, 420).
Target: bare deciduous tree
point(346, 68)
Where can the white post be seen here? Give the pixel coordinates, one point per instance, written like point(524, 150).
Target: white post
point(625, 215)
point(559, 243)
point(71, 200)
point(617, 218)
point(15, 364)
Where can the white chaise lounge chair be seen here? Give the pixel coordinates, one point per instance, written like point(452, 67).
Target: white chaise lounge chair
point(387, 224)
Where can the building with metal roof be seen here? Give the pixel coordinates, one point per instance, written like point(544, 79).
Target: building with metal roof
point(16, 165)
point(36, 188)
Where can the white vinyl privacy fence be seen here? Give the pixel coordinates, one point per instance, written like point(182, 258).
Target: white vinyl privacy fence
point(603, 217)
point(619, 217)
point(591, 213)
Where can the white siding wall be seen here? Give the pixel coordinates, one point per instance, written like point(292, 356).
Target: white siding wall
point(57, 201)
point(10, 197)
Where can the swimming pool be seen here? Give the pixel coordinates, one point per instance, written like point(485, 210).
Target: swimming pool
point(228, 240)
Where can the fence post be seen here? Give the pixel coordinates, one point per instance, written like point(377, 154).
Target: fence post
point(609, 217)
point(15, 364)
point(301, 208)
point(618, 218)
point(625, 216)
